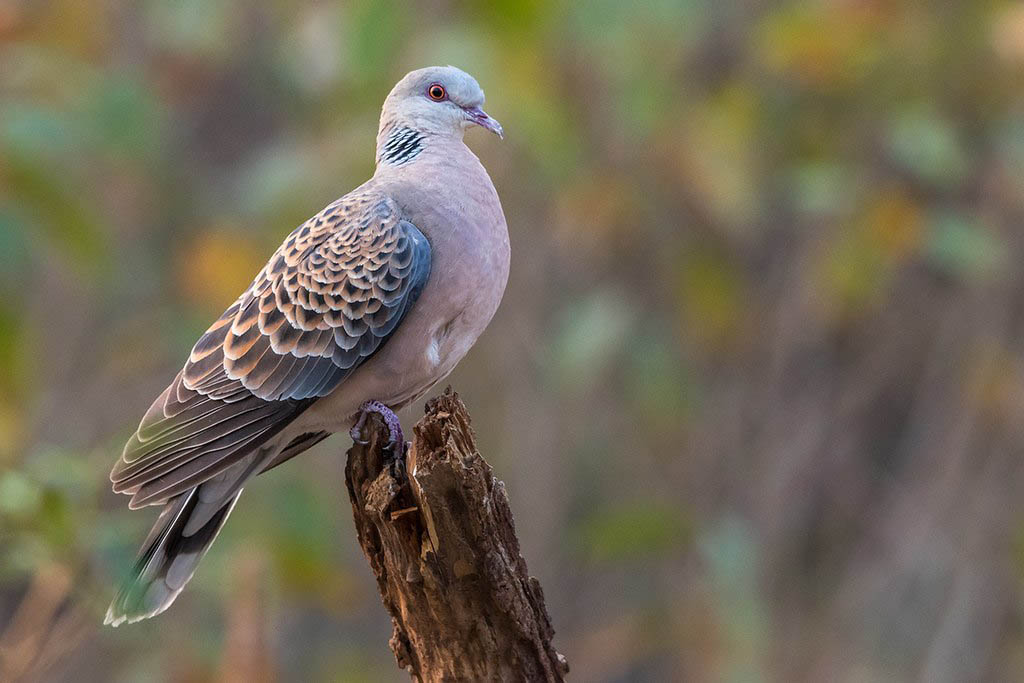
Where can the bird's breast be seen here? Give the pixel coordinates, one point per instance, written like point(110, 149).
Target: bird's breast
point(457, 208)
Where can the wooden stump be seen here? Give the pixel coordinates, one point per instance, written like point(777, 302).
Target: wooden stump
point(441, 541)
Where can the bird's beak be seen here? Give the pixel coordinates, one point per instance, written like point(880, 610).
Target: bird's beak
point(482, 119)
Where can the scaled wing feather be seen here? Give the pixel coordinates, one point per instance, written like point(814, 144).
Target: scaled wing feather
point(327, 300)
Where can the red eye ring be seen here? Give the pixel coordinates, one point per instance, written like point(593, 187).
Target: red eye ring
point(436, 92)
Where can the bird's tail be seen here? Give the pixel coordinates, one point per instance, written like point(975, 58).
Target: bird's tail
point(179, 539)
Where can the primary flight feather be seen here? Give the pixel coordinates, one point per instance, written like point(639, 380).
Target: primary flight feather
point(364, 307)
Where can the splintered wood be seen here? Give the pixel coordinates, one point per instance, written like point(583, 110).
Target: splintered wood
point(440, 538)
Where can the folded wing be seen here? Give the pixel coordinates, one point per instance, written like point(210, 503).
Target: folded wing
point(329, 298)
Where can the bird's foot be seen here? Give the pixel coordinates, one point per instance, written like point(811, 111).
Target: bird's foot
point(396, 446)
point(356, 432)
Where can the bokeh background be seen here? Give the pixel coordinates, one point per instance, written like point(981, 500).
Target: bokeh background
point(756, 388)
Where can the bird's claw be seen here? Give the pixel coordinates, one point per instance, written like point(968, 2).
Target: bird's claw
point(396, 463)
point(396, 445)
point(356, 432)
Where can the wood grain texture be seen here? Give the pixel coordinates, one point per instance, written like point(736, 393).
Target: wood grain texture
point(441, 541)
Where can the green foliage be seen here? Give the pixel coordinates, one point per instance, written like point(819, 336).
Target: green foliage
point(59, 214)
point(635, 532)
point(965, 246)
point(588, 339)
point(927, 145)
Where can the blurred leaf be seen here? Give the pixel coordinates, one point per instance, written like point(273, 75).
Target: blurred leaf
point(348, 664)
point(12, 431)
point(204, 28)
point(15, 251)
point(298, 523)
point(63, 216)
point(927, 145)
point(217, 265)
point(822, 45)
point(272, 175)
point(661, 391)
point(37, 132)
point(19, 496)
point(594, 210)
point(38, 69)
point(11, 340)
point(1010, 146)
point(732, 557)
point(711, 294)
point(15, 386)
point(637, 531)
point(893, 225)
point(824, 188)
point(57, 522)
point(511, 19)
point(610, 28)
point(591, 333)
point(23, 556)
point(719, 154)
point(859, 266)
point(963, 246)
point(375, 34)
point(67, 471)
point(124, 114)
point(556, 143)
point(635, 82)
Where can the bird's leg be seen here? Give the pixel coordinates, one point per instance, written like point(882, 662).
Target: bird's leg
point(396, 445)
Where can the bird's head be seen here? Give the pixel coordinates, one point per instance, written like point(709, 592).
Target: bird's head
point(439, 100)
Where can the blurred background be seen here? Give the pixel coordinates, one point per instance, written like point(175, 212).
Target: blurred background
point(756, 388)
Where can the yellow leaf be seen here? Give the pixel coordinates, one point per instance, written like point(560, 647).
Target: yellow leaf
point(217, 266)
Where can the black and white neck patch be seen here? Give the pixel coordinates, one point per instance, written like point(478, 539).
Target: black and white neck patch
point(401, 146)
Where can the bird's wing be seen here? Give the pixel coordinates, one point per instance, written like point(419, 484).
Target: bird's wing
point(330, 296)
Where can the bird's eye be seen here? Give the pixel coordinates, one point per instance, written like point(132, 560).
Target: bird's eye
point(437, 92)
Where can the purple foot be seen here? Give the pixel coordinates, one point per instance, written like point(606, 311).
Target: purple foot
point(396, 441)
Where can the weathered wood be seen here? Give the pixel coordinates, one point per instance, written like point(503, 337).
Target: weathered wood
point(441, 541)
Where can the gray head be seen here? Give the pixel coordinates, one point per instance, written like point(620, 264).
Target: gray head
point(438, 100)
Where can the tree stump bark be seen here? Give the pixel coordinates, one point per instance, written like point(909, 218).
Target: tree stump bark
point(441, 541)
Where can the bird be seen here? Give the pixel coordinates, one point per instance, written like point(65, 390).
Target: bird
point(362, 309)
